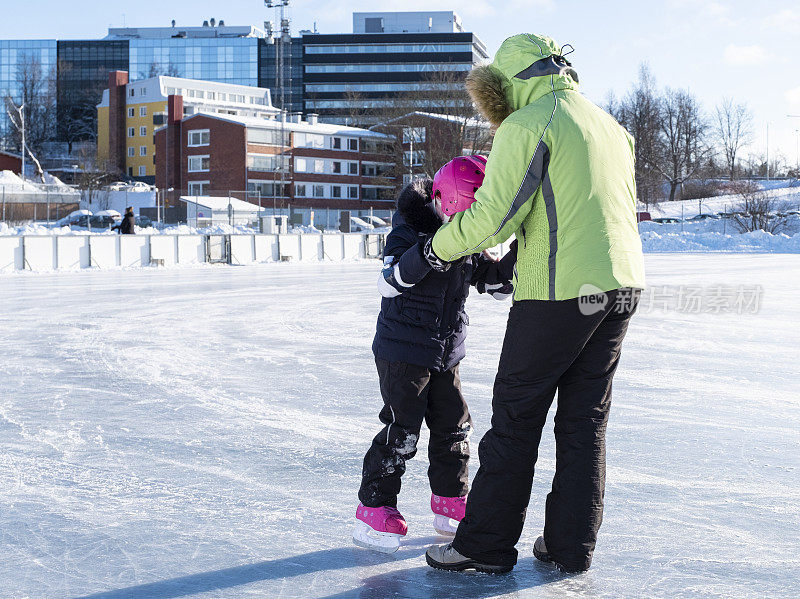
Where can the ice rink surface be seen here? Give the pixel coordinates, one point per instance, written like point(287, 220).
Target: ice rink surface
point(199, 432)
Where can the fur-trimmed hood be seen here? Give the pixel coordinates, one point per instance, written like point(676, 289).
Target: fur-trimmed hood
point(525, 68)
point(415, 207)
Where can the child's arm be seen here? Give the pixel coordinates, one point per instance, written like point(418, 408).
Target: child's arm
point(493, 276)
point(403, 264)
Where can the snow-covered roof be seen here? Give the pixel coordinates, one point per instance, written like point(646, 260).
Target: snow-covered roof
point(220, 203)
point(303, 126)
point(471, 122)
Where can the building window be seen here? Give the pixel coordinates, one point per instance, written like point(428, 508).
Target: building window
point(336, 143)
point(143, 111)
point(131, 152)
point(199, 137)
point(131, 131)
point(336, 191)
point(266, 162)
point(198, 188)
point(132, 92)
point(352, 145)
point(223, 97)
point(319, 166)
point(143, 91)
point(198, 164)
point(337, 168)
point(417, 159)
point(300, 190)
point(142, 150)
point(309, 140)
point(352, 168)
point(212, 96)
point(267, 189)
point(131, 112)
point(130, 171)
point(413, 135)
point(267, 137)
point(319, 191)
point(143, 131)
point(142, 171)
point(300, 165)
point(352, 192)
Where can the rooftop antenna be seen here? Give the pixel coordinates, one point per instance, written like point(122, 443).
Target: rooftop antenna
point(282, 65)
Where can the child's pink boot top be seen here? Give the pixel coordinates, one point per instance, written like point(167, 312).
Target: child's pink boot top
point(452, 507)
point(382, 519)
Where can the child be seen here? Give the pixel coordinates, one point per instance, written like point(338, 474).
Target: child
point(418, 345)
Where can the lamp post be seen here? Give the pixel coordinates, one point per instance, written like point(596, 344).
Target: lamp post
point(797, 145)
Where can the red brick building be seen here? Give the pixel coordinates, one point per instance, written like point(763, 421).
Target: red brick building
point(324, 166)
point(10, 162)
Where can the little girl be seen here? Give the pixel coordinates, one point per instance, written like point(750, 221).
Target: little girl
point(418, 345)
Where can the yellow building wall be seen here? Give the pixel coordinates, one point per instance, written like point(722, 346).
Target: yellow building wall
point(102, 136)
point(137, 140)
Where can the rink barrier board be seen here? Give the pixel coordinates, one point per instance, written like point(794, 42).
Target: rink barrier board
point(66, 252)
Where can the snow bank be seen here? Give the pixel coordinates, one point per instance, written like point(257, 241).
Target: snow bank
point(15, 183)
point(37, 229)
point(755, 242)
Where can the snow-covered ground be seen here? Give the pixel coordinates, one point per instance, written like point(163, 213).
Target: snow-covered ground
point(199, 432)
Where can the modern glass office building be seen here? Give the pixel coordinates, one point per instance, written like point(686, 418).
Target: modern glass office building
point(18, 61)
point(389, 54)
point(225, 60)
point(391, 59)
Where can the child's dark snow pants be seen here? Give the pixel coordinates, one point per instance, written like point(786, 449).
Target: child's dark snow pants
point(412, 394)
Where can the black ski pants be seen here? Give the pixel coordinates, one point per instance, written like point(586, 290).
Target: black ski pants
point(549, 346)
point(412, 394)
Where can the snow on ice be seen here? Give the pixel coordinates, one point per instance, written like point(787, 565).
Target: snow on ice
point(199, 432)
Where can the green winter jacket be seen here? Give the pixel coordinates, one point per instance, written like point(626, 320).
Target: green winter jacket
point(560, 176)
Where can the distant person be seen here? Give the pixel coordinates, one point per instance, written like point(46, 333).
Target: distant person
point(561, 178)
point(419, 342)
point(127, 225)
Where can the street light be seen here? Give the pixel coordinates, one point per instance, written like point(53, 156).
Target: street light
point(797, 144)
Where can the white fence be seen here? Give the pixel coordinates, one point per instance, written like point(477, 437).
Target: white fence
point(67, 252)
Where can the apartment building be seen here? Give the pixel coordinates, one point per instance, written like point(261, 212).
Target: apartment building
point(129, 113)
point(304, 163)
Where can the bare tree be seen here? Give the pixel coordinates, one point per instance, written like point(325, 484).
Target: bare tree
point(640, 113)
point(733, 127)
point(683, 138)
point(156, 68)
point(757, 211)
point(93, 177)
point(36, 91)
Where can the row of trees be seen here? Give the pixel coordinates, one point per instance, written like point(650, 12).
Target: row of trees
point(678, 143)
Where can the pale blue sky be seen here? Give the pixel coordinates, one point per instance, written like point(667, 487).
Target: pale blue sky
point(739, 48)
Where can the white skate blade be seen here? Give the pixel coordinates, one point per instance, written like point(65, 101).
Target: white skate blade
point(369, 538)
point(444, 526)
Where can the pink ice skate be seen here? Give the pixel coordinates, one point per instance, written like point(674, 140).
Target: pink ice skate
point(379, 528)
point(449, 511)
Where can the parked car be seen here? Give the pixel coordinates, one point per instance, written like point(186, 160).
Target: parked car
point(77, 218)
point(701, 217)
point(102, 221)
point(359, 225)
point(144, 222)
point(666, 220)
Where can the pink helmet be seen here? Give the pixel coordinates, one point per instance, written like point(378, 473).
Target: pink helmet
point(457, 181)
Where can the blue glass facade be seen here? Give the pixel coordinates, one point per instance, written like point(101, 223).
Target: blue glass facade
point(15, 56)
point(226, 60)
